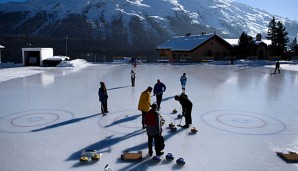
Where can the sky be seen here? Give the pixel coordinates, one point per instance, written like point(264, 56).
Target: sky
point(284, 8)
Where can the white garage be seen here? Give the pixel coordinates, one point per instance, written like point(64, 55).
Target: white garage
point(35, 56)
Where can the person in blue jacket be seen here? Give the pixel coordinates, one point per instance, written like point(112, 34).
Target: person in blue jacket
point(158, 90)
point(183, 80)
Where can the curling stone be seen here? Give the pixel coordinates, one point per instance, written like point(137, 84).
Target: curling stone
point(95, 157)
point(171, 125)
point(170, 157)
point(174, 111)
point(162, 121)
point(179, 116)
point(156, 158)
point(84, 160)
point(194, 130)
point(174, 128)
point(180, 161)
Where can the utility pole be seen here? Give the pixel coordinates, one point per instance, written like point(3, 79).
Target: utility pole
point(66, 38)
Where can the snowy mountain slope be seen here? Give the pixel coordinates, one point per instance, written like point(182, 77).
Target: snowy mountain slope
point(160, 18)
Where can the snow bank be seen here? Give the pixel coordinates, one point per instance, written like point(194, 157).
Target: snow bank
point(73, 63)
point(10, 70)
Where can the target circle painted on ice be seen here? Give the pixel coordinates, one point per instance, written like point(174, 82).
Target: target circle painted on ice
point(28, 121)
point(34, 119)
point(125, 121)
point(243, 122)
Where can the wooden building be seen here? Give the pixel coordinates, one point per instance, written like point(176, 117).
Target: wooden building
point(208, 47)
point(195, 48)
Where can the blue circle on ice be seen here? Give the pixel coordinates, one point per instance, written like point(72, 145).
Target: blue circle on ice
point(243, 122)
point(33, 120)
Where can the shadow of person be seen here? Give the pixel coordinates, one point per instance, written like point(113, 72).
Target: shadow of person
point(126, 119)
point(64, 123)
point(103, 144)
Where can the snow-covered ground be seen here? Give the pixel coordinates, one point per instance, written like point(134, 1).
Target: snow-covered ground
point(243, 113)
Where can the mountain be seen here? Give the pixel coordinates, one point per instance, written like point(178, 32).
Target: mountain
point(135, 24)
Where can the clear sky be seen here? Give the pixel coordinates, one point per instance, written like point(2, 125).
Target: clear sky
point(284, 8)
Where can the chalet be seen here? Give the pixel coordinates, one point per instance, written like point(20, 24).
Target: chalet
point(195, 48)
point(207, 47)
point(262, 52)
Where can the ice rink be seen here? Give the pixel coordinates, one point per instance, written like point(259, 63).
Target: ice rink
point(243, 113)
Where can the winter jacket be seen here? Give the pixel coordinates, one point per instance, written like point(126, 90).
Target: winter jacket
point(152, 122)
point(183, 80)
point(103, 95)
point(144, 102)
point(133, 75)
point(159, 88)
point(185, 103)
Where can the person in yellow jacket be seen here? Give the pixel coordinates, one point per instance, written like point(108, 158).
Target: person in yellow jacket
point(145, 103)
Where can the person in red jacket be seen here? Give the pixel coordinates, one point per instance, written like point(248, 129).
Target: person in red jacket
point(154, 130)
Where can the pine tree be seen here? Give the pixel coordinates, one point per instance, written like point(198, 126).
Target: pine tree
point(293, 45)
point(246, 45)
point(279, 37)
point(271, 33)
point(282, 38)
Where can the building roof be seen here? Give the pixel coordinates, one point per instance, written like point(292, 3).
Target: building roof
point(234, 42)
point(190, 42)
point(185, 43)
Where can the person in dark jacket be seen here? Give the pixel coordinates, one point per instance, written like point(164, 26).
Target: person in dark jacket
point(186, 108)
point(133, 77)
point(103, 98)
point(277, 67)
point(158, 90)
point(154, 130)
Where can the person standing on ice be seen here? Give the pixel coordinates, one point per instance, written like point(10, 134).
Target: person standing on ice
point(103, 98)
point(154, 130)
point(144, 103)
point(186, 108)
point(133, 77)
point(277, 67)
point(158, 90)
point(183, 80)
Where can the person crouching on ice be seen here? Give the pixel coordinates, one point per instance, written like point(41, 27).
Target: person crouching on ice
point(154, 130)
point(186, 108)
